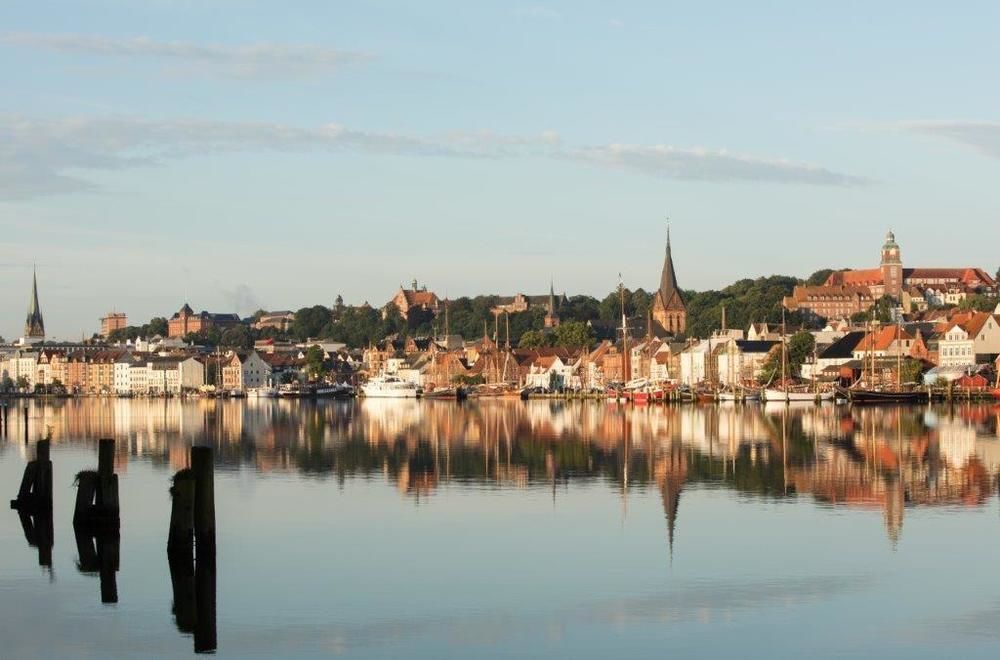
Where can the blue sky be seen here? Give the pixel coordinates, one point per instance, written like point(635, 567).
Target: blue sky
point(245, 154)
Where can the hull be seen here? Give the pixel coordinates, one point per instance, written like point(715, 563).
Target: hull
point(779, 396)
point(377, 392)
point(875, 396)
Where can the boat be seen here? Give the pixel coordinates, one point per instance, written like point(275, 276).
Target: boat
point(389, 387)
point(774, 394)
point(744, 394)
point(450, 393)
point(336, 391)
point(261, 393)
point(785, 394)
point(882, 394)
point(887, 396)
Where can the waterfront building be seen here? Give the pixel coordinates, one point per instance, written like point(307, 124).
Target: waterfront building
point(185, 321)
point(242, 371)
point(847, 292)
point(968, 339)
point(113, 321)
point(669, 310)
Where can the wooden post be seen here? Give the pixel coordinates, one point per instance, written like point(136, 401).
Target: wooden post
point(26, 424)
point(86, 495)
point(107, 482)
point(203, 468)
point(35, 492)
point(181, 535)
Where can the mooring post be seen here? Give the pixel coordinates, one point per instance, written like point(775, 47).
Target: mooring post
point(107, 482)
point(203, 468)
point(26, 425)
point(43, 481)
point(181, 535)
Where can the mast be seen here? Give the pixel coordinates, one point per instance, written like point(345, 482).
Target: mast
point(784, 356)
point(625, 356)
point(899, 359)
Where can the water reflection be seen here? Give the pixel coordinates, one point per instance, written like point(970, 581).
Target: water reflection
point(879, 458)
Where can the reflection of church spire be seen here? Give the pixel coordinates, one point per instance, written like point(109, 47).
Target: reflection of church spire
point(671, 473)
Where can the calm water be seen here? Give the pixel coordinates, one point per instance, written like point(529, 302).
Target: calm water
point(542, 529)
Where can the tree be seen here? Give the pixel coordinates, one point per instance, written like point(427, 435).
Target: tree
point(979, 303)
point(911, 370)
point(819, 277)
point(238, 336)
point(156, 326)
point(309, 322)
point(575, 334)
point(799, 347)
point(314, 362)
point(533, 339)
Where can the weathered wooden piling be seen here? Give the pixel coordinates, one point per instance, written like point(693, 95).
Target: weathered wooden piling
point(203, 469)
point(107, 485)
point(97, 492)
point(191, 543)
point(26, 425)
point(35, 492)
point(181, 534)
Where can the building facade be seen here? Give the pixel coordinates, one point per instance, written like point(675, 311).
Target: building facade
point(186, 321)
point(848, 292)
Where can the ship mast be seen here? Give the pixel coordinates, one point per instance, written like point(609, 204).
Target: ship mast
point(626, 376)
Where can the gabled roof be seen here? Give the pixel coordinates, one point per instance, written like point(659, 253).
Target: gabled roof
point(843, 347)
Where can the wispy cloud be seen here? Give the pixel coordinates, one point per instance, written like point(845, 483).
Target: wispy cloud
point(700, 164)
point(983, 136)
point(248, 61)
point(40, 157)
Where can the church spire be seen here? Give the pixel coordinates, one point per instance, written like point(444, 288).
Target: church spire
point(34, 325)
point(668, 279)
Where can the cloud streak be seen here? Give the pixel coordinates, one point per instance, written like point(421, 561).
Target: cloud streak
point(984, 136)
point(43, 157)
point(246, 61)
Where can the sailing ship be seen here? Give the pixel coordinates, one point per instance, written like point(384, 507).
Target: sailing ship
point(878, 393)
point(785, 394)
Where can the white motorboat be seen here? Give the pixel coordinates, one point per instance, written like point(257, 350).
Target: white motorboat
point(262, 392)
point(389, 387)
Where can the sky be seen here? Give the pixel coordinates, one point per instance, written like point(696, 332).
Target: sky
point(244, 155)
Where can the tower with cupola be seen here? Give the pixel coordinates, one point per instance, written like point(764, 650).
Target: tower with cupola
point(892, 267)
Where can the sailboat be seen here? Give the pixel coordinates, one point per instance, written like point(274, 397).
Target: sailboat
point(785, 394)
point(897, 394)
point(449, 391)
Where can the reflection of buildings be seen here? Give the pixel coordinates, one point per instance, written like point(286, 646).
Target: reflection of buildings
point(878, 458)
